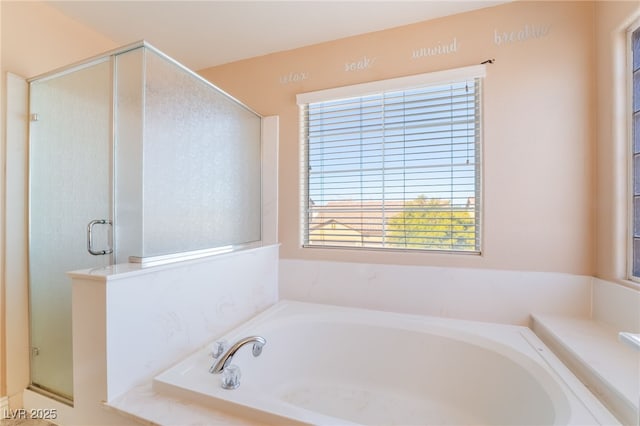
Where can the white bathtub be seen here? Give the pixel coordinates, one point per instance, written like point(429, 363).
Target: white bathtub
point(332, 365)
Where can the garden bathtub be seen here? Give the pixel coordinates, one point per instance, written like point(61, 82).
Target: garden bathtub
point(335, 365)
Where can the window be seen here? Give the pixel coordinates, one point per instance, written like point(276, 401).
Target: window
point(635, 149)
point(394, 164)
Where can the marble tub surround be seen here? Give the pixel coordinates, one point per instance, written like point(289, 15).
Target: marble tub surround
point(154, 317)
point(616, 305)
point(477, 294)
point(132, 322)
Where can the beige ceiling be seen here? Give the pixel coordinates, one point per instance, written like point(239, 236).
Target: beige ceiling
point(201, 34)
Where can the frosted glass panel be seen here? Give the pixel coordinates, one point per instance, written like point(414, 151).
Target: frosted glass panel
point(201, 173)
point(129, 102)
point(70, 161)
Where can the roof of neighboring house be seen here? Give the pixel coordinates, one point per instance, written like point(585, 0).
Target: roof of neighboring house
point(365, 217)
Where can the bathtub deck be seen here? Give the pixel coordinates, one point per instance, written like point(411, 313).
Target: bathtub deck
point(147, 407)
point(610, 369)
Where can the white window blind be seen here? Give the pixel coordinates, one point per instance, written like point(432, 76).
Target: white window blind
point(393, 169)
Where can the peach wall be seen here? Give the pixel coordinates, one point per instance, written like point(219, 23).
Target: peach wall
point(35, 38)
point(539, 172)
point(612, 21)
point(38, 38)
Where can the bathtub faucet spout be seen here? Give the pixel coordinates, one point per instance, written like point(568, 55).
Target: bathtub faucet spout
point(224, 361)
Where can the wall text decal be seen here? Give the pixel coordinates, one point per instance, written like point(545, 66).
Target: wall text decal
point(438, 49)
point(294, 77)
point(527, 33)
point(363, 64)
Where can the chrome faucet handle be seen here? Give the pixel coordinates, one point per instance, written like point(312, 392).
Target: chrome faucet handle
point(257, 348)
point(225, 359)
point(230, 377)
point(218, 348)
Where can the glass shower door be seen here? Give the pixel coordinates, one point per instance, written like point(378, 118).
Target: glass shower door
point(70, 168)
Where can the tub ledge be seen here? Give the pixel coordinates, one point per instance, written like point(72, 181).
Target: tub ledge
point(595, 354)
point(148, 407)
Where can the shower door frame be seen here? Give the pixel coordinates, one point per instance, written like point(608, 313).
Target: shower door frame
point(32, 116)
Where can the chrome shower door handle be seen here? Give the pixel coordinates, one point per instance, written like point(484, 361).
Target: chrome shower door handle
point(90, 226)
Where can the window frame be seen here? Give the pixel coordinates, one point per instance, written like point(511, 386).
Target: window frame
point(377, 87)
point(635, 26)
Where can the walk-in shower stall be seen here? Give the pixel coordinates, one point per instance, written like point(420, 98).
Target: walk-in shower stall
point(132, 157)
